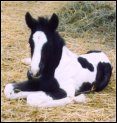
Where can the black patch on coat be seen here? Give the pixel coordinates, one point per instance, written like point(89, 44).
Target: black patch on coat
point(85, 88)
point(104, 71)
point(85, 64)
point(58, 94)
point(93, 51)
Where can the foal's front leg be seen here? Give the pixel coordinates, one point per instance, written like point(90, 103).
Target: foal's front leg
point(21, 90)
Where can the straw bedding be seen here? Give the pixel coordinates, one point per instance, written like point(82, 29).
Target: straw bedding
point(98, 107)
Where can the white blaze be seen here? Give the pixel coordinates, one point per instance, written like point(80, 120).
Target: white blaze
point(39, 39)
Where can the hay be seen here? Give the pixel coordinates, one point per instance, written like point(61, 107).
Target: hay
point(99, 107)
point(95, 18)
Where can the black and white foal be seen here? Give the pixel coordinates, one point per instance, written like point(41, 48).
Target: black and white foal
point(57, 76)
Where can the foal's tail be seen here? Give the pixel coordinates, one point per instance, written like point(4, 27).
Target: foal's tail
point(104, 71)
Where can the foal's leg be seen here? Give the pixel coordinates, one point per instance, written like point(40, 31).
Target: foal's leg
point(20, 90)
point(42, 99)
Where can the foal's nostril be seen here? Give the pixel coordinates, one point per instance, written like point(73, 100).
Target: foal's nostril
point(31, 76)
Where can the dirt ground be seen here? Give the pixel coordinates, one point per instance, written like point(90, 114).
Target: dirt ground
point(14, 47)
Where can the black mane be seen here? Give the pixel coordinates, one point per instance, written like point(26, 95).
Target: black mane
point(53, 52)
point(43, 21)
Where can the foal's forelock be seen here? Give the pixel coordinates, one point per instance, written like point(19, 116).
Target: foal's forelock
point(39, 39)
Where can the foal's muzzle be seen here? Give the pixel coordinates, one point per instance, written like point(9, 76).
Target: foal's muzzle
point(31, 76)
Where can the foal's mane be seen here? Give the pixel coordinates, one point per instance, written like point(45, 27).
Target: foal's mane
point(43, 21)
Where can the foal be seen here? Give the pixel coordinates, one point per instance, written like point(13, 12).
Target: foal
point(57, 76)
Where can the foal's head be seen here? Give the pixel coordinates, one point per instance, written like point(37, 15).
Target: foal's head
point(44, 43)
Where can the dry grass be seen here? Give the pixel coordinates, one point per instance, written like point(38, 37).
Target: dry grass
point(99, 106)
point(89, 18)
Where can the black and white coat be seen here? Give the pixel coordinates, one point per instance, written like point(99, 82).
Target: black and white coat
point(57, 76)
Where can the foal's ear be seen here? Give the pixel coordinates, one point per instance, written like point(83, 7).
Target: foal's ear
point(53, 22)
point(31, 22)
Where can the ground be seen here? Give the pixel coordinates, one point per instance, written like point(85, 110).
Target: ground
point(14, 47)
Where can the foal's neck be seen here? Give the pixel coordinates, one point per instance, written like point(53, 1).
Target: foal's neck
point(68, 53)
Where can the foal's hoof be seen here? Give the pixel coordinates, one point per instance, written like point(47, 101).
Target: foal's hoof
point(9, 91)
